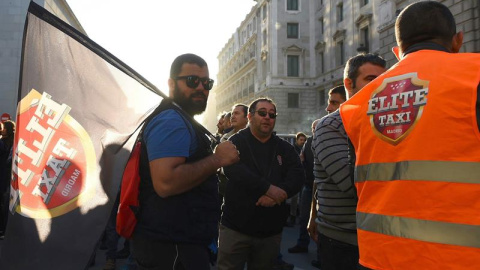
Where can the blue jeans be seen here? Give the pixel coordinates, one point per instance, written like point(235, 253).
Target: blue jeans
point(305, 205)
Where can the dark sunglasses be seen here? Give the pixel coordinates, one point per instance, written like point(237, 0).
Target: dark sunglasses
point(192, 81)
point(264, 113)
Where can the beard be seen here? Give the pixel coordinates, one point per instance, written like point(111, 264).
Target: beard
point(190, 106)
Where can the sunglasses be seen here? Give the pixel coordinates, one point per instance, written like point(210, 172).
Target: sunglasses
point(192, 81)
point(264, 113)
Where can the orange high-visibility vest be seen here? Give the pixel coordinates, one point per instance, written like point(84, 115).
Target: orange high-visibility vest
point(417, 169)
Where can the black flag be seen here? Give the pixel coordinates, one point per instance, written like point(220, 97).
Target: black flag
point(79, 107)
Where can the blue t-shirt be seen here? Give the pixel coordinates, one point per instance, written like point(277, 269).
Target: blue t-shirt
point(167, 135)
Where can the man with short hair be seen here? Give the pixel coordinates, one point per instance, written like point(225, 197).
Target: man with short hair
point(332, 219)
point(306, 156)
point(238, 120)
point(220, 132)
point(300, 139)
point(179, 211)
point(227, 124)
point(336, 96)
point(415, 130)
point(254, 211)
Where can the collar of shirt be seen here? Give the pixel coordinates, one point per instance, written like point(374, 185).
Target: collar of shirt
point(425, 46)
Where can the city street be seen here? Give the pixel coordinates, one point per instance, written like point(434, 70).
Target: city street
point(290, 235)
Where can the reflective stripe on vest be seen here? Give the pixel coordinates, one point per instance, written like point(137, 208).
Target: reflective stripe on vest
point(445, 171)
point(423, 230)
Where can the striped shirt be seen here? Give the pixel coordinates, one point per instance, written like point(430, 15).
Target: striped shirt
point(335, 192)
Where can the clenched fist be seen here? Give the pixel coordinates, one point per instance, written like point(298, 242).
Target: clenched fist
point(226, 153)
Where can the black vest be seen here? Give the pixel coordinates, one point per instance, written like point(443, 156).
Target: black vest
point(190, 217)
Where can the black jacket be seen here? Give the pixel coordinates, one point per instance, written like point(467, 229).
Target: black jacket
point(250, 178)
point(308, 162)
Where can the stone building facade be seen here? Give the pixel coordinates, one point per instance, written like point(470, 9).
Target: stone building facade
point(294, 51)
point(12, 20)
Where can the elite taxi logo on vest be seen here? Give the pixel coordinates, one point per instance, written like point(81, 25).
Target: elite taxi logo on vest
point(396, 106)
point(53, 157)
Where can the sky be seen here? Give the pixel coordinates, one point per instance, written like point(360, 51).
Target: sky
point(147, 35)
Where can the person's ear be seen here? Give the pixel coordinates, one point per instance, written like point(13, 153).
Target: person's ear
point(171, 87)
point(348, 84)
point(457, 42)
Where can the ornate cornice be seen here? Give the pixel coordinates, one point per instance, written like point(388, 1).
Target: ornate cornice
point(339, 33)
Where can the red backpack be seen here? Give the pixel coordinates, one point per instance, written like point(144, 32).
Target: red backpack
point(129, 203)
point(130, 185)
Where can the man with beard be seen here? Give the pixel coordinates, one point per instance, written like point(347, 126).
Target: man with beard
point(179, 210)
point(254, 209)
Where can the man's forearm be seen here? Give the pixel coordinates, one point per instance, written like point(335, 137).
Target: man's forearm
point(242, 175)
point(185, 176)
point(312, 227)
point(313, 205)
point(172, 175)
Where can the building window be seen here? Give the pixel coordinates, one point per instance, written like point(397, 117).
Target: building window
point(321, 63)
point(322, 24)
point(322, 98)
point(364, 40)
point(339, 12)
point(364, 2)
point(293, 65)
point(292, 4)
point(292, 30)
point(293, 100)
point(340, 53)
point(264, 37)
point(264, 12)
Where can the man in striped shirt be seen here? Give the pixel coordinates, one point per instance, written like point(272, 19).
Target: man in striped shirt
point(332, 218)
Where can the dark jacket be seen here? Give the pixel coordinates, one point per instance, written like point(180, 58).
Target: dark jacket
point(5, 167)
point(190, 217)
point(250, 178)
point(308, 162)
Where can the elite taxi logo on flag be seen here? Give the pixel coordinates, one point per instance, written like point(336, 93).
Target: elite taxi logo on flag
point(52, 159)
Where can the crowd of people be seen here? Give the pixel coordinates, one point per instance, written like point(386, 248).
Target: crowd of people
point(389, 173)
point(261, 172)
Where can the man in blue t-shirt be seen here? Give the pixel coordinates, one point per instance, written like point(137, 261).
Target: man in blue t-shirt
point(179, 208)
